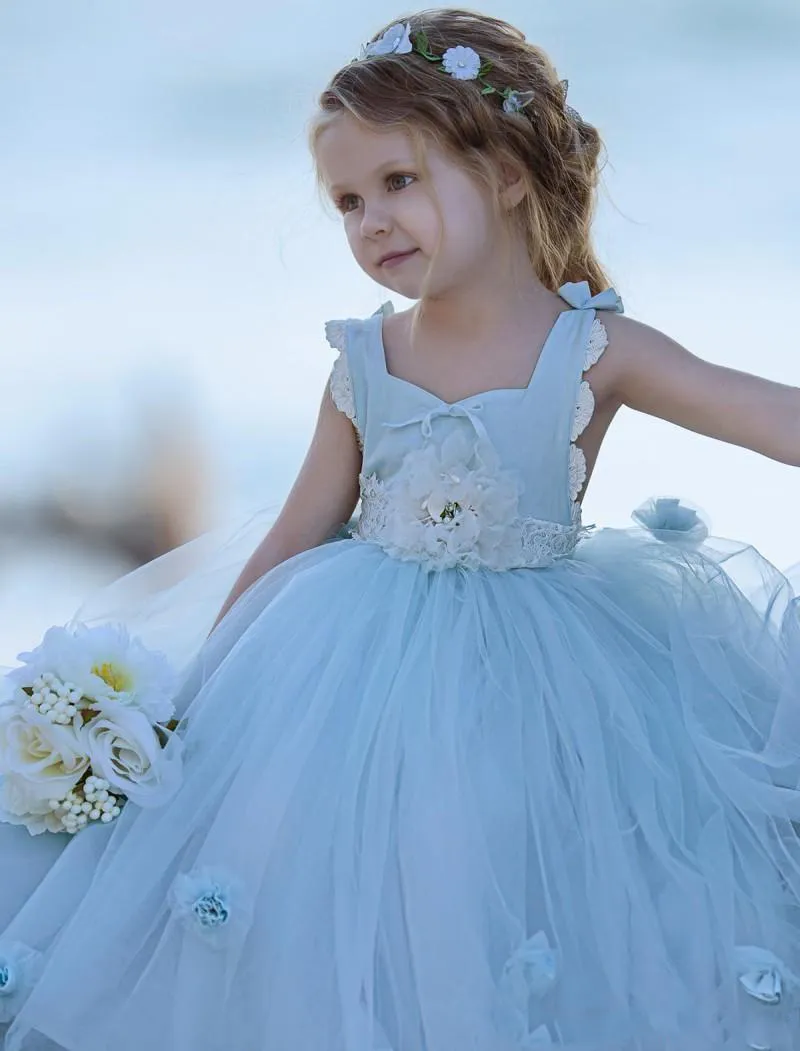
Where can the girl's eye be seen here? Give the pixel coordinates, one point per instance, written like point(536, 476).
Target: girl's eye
point(399, 182)
point(347, 202)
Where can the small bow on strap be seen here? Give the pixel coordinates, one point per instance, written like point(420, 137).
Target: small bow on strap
point(458, 411)
point(579, 295)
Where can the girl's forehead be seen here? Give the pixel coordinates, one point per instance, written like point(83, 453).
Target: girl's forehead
point(347, 148)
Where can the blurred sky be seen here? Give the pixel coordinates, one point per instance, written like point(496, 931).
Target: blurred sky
point(161, 238)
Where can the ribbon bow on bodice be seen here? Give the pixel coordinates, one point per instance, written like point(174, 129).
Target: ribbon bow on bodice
point(458, 410)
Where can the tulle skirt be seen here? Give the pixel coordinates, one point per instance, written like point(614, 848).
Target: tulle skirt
point(448, 811)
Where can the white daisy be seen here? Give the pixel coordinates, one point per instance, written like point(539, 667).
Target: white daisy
point(462, 63)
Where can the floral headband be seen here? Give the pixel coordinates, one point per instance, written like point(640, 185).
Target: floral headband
point(460, 62)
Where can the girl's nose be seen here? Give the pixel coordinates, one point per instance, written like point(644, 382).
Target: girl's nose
point(375, 221)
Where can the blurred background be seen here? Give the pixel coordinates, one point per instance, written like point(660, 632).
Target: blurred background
point(166, 266)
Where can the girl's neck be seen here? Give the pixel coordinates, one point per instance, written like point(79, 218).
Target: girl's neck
point(494, 299)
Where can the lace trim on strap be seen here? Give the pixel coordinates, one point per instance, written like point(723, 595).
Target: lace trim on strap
point(336, 334)
point(342, 388)
point(341, 383)
point(598, 341)
point(584, 409)
point(577, 471)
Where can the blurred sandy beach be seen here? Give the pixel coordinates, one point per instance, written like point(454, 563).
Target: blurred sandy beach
point(166, 266)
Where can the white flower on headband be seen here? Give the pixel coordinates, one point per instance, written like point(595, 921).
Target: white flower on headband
point(462, 63)
point(395, 41)
point(516, 101)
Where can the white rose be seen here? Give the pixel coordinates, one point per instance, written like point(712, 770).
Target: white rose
point(48, 757)
point(19, 805)
point(18, 797)
point(126, 751)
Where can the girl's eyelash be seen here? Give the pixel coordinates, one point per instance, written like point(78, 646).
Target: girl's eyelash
point(340, 201)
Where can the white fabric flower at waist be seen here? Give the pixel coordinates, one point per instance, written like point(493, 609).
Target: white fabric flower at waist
point(453, 506)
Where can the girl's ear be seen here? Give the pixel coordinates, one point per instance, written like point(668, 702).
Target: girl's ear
point(512, 186)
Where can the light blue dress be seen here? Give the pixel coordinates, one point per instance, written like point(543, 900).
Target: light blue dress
point(476, 778)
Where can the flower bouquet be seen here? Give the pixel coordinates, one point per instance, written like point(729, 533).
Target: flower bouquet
point(85, 721)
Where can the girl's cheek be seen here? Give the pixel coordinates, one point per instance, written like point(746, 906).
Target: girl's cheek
point(353, 235)
point(422, 218)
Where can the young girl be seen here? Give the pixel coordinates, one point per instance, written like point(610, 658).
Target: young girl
point(474, 778)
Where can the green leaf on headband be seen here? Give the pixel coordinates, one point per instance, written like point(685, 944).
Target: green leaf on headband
point(422, 46)
point(489, 90)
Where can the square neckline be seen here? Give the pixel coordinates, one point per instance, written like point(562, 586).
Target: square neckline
point(549, 338)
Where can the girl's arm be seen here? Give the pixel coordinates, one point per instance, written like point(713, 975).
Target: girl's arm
point(322, 499)
point(646, 370)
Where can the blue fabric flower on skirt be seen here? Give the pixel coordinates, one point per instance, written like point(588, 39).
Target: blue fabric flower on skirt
point(19, 968)
point(529, 973)
point(671, 521)
point(210, 904)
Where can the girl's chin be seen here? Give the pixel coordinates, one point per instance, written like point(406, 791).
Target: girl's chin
point(409, 289)
point(402, 279)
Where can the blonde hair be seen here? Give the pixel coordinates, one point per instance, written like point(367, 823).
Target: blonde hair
point(556, 151)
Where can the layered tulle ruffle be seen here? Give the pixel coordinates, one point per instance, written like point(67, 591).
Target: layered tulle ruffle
point(464, 810)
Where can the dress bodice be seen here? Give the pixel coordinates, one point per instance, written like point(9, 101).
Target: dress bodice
point(490, 481)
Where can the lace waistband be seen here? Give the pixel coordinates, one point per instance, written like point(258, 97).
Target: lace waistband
point(472, 537)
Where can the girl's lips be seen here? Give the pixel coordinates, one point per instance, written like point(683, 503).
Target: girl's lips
point(396, 259)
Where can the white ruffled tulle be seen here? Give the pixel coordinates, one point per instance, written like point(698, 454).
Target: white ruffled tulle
point(438, 812)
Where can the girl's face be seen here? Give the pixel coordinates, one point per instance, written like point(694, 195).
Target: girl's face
point(397, 217)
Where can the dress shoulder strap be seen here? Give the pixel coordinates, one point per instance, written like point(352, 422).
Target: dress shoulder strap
point(348, 379)
point(588, 349)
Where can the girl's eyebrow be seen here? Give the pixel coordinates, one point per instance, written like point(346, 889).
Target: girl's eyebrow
point(386, 166)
